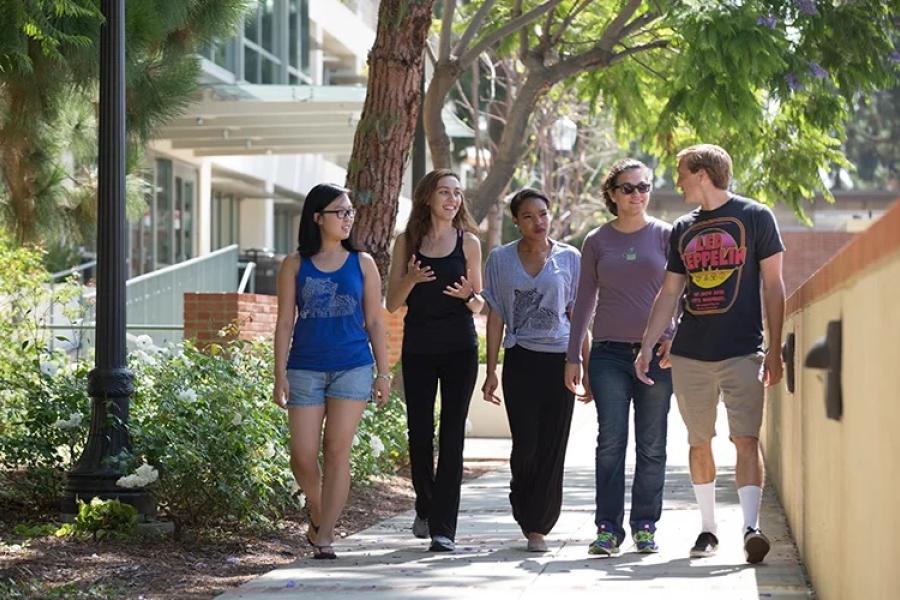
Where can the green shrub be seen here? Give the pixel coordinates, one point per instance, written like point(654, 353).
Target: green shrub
point(99, 519)
point(204, 421)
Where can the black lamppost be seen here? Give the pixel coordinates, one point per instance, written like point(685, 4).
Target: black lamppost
point(110, 382)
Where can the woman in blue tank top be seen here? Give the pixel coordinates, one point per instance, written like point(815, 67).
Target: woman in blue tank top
point(436, 272)
point(329, 312)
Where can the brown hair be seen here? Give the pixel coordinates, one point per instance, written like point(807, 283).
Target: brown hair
point(420, 216)
point(712, 159)
point(609, 182)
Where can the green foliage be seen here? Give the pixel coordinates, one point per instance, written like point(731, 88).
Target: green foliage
point(99, 519)
point(204, 421)
point(49, 57)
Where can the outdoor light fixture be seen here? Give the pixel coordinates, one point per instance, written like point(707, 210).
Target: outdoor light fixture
point(563, 133)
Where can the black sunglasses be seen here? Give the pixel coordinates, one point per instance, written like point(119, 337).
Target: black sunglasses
point(342, 213)
point(628, 188)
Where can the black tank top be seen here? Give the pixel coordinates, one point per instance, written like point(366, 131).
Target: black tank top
point(435, 322)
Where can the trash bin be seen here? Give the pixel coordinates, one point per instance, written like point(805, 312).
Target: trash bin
point(266, 273)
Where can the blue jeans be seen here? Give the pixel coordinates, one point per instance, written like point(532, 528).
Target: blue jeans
point(614, 386)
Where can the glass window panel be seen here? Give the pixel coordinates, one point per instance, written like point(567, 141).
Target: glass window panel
point(251, 25)
point(270, 71)
point(251, 65)
point(164, 217)
point(304, 36)
point(293, 32)
point(269, 36)
point(176, 219)
point(187, 219)
point(214, 217)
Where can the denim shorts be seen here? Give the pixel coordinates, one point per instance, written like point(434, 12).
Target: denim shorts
point(310, 388)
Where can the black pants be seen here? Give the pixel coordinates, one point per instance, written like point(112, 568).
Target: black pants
point(539, 407)
point(437, 492)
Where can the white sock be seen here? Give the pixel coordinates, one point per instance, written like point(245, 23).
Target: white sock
point(751, 496)
point(706, 501)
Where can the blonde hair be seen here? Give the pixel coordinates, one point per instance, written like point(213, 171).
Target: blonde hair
point(712, 159)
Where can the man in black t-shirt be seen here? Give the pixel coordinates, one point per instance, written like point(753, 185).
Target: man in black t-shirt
point(718, 255)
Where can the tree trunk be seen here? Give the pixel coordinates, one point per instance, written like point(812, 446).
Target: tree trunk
point(18, 172)
point(511, 148)
point(383, 137)
point(445, 75)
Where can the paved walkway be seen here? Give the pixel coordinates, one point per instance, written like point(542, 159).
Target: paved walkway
point(386, 561)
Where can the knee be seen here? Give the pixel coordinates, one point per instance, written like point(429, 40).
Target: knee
point(611, 446)
point(336, 455)
point(746, 445)
point(306, 462)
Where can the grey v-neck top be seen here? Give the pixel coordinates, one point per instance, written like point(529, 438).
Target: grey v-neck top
point(534, 309)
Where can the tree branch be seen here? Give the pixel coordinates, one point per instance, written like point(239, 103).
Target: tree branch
point(516, 24)
point(446, 30)
point(567, 21)
point(613, 32)
point(620, 56)
point(473, 27)
point(645, 19)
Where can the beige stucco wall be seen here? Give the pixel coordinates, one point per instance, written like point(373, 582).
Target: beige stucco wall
point(839, 481)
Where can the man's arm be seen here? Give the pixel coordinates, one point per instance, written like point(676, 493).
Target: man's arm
point(660, 316)
point(773, 301)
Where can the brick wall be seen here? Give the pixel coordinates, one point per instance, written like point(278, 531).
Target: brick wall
point(255, 315)
point(807, 251)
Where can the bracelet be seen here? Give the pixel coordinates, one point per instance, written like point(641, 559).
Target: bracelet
point(471, 297)
point(383, 376)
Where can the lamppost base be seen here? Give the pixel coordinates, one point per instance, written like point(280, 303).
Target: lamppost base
point(88, 486)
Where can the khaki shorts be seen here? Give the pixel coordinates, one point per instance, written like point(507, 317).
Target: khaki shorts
point(698, 384)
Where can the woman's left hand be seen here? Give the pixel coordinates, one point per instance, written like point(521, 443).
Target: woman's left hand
point(461, 289)
point(382, 391)
point(665, 347)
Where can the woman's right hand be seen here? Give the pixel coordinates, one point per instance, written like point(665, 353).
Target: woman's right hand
point(416, 273)
point(282, 391)
point(490, 386)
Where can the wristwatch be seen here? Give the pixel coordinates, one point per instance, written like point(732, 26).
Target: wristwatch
point(383, 376)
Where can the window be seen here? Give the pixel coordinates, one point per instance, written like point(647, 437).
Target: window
point(224, 219)
point(285, 231)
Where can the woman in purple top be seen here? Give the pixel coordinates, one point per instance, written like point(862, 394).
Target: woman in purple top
point(622, 268)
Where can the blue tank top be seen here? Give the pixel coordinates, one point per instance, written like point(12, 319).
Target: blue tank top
point(330, 334)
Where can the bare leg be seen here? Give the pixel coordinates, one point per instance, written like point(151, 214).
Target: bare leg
point(305, 423)
point(340, 425)
point(703, 466)
point(749, 469)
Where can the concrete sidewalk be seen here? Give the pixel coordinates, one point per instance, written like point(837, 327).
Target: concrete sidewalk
point(386, 561)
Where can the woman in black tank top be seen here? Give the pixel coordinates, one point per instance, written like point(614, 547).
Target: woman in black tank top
point(436, 272)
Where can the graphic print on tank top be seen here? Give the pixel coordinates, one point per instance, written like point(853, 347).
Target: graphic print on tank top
point(527, 310)
point(713, 253)
point(321, 300)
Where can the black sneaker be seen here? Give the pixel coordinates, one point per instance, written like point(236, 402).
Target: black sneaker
point(706, 545)
point(756, 545)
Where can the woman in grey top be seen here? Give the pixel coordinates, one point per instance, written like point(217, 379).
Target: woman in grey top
point(530, 287)
point(622, 268)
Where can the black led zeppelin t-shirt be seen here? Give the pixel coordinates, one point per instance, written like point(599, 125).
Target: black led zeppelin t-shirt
point(719, 252)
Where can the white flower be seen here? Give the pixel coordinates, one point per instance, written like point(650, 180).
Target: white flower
point(269, 450)
point(187, 395)
point(377, 445)
point(222, 333)
point(147, 473)
point(294, 487)
point(301, 500)
point(49, 368)
point(128, 481)
point(238, 419)
point(144, 342)
point(355, 440)
point(144, 357)
point(72, 422)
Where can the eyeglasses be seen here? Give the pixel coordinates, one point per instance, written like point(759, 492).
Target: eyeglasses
point(628, 188)
point(342, 213)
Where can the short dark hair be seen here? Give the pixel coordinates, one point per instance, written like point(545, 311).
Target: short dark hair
point(309, 238)
point(523, 195)
point(610, 181)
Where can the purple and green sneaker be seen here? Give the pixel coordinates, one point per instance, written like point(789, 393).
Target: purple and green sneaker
point(644, 541)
